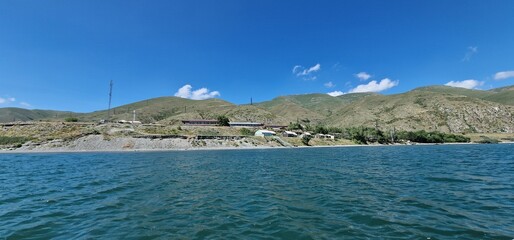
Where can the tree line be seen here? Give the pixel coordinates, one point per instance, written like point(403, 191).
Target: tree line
point(367, 135)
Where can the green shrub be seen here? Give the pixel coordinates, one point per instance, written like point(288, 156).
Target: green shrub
point(320, 129)
point(306, 139)
point(488, 140)
point(431, 137)
point(246, 132)
point(18, 141)
point(71, 119)
point(223, 120)
point(294, 126)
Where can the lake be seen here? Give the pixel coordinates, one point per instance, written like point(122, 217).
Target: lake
point(400, 192)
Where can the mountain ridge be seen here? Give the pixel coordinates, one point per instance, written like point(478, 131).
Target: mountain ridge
point(441, 108)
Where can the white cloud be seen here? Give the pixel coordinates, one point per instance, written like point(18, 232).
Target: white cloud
point(314, 68)
point(24, 104)
point(469, 84)
point(471, 51)
point(200, 94)
point(336, 93)
point(7, 100)
point(306, 73)
point(329, 85)
point(363, 76)
point(503, 75)
point(184, 92)
point(296, 68)
point(375, 86)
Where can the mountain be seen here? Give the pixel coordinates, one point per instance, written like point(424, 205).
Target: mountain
point(312, 107)
point(21, 114)
point(158, 109)
point(428, 110)
point(504, 95)
point(163, 109)
point(441, 108)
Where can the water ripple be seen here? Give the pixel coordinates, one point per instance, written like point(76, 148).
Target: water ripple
point(404, 192)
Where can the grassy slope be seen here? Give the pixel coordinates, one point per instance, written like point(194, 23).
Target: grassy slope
point(427, 110)
point(158, 109)
point(456, 91)
point(20, 114)
point(432, 108)
point(314, 107)
point(504, 95)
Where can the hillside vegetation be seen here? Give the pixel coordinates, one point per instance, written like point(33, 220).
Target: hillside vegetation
point(432, 108)
point(420, 110)
point(20, 114)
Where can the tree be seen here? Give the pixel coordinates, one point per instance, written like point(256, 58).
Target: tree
point(320, 129)
point(306, 139)
point(223, 120)
point(294, 126)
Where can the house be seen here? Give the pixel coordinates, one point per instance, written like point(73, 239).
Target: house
point(200, 122)
point(245, 124)
point(265, 133)
point(128, 122)
point(324, 136)
point(289, 134)
point(305, 134)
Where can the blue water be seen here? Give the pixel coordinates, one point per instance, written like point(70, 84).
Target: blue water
point(400, 192)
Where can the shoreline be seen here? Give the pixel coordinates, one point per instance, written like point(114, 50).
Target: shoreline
point(149, 150)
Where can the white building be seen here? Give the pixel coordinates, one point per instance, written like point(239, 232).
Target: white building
point(325, 136)
point(289, 134)
point(265, 133)
point(306, 134)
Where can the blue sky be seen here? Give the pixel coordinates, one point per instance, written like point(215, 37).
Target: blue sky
point(61, 54)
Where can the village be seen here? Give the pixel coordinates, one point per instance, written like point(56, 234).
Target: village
point(264, 130)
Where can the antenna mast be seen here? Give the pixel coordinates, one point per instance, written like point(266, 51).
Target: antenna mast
point(110, 98)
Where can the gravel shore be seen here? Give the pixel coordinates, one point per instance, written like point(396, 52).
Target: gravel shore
point(97, 143)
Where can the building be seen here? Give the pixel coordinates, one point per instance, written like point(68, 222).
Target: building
point(325, 136)
point(200, 122)
point(306, 134)
point(265, 133)
point(289, 134)
point(127, 122)
point(245, 124)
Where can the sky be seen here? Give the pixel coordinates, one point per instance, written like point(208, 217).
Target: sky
point(61, 54)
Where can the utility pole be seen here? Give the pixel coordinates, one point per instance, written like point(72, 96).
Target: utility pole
point(251, 101)
point(134, 117)
point(110, 98)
